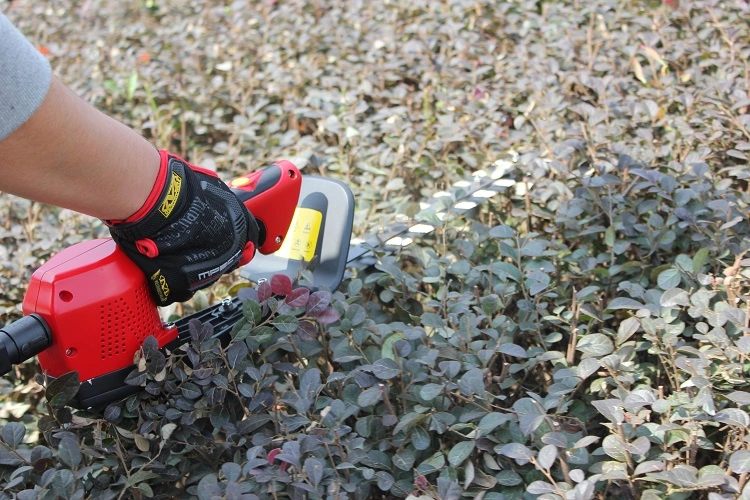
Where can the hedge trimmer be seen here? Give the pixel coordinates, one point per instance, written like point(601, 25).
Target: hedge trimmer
point(88, 308)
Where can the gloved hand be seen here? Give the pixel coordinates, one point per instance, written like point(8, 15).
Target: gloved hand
point(190, 231)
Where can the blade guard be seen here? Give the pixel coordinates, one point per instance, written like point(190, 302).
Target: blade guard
point(271, 196)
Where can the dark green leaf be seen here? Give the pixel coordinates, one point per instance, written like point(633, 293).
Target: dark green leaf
point(140, 476)
point(596, 344)
point(472, 382)
point(63, 389)
point(558, 439)
point(314, 469)
point(448, 489)
point(384, 480)
point(286, 323)
point(385, 369)
point(251, 312)
point(150, 346)
point(236, 352)
point(530, 415)
point(408, 420)
point(669, 278)
point(502, 231)
point(460, 452)
point(615, 448)
point(69, 452)
point(420, 438)
point(219, 416)
point(428, 392)
point(191, 391)
point(733, 416)
point(13, 433)
point(626, 330)
point(507, 271)
point(611, 408)
point(369, 397)
point(540, 488)
point(739, 397)
point(547, 456)
point(432, 320)
point(310, 384)
point(433, 464)
point(699, 259)
point(509, 478)
point(516, 451)
point(404, 459)
point(491, 421)
point(200, 332)
point(243, 332)
point(512, 350)
point(356, 314)
point(112, 412)
point(62, 482)
point(231, 471)
point(624, 303)
point(739, 461)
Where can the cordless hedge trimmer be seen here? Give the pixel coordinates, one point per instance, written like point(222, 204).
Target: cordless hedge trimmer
point(88, 309)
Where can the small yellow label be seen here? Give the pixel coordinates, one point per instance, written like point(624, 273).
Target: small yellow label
point(302, 237)
point(161, 285)
point(171, 199)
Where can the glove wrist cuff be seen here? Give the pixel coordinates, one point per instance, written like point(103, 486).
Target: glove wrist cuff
point(152, 197)
point(156, 191)
point(167, 193)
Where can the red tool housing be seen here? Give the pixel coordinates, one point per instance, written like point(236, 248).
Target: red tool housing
point(97, 303)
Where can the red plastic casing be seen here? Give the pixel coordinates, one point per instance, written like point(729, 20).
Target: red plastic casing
point(97, 304)
point(271, 195)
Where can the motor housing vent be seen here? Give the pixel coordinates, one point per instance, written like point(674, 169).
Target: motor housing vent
point(121, 321)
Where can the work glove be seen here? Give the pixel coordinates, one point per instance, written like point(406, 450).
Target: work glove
point(191, 230)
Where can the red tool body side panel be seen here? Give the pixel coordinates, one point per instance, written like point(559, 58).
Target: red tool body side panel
point(97, 304)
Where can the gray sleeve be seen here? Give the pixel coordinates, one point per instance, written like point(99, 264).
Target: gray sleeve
point(24, 78)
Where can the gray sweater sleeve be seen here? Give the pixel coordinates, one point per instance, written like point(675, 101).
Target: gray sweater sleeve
point(24, 78)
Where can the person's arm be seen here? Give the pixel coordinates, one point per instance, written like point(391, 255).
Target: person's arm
point(71, 155)
point(179, 223)
point(56, 148)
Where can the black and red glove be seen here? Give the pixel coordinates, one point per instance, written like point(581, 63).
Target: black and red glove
point(191, 230)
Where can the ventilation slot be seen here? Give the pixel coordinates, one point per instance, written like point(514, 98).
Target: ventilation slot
point(127, 319)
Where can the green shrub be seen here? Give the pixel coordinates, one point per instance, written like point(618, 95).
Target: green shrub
point(502, 359)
